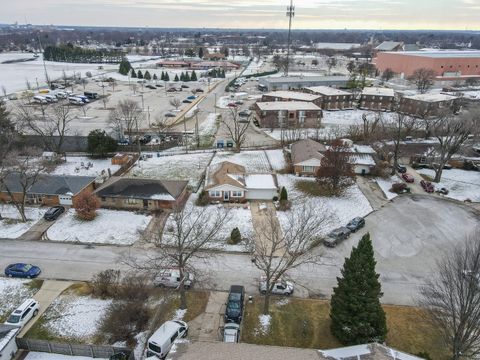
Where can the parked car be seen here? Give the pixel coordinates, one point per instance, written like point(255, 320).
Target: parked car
point(124, 142)
point(244, 113)
point(40, 99)
point(21, 315)
point(172, 90)
point(75, 100)
point(336, 237)
point(238, 102)
point(84, 99)
point(408, 178)
point(61, 95)
point(356, 224)
point(169, 114)
point(90, 94)
point(22, 270)
point(171, 278)
point(281, 287)
point(53, 213)
point(232, 105)
point(191, 97)
point(51, 98)
point(149, 86)
point(234, 309)
point(160, 343)
point(185, 87)
point(231, 333)
point(186, 101)
point(199, 90)
point(427, 186)
point(442, 191)
point(401, 168)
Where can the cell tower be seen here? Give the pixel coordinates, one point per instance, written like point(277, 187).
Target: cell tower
point(290, 14)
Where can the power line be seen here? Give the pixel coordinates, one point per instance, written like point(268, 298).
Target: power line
point(290, 14)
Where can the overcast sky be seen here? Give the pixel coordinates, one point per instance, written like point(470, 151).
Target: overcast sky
point(310, 14)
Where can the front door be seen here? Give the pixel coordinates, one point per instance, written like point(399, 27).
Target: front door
point(145, 204)
point(226, 196)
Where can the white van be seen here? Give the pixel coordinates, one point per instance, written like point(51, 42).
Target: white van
point(171, 278)
point(23, 313)
point(160, 343)
point(75, 100)
point(61, 95)
point(50, 98)
point(39, 99)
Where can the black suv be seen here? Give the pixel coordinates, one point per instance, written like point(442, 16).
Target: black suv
point(53, 213)
point(356, 224)
point(234, 310)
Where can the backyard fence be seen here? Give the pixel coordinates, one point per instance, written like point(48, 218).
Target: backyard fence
point(93, 351)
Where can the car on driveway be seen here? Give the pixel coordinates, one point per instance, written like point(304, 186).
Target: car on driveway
point(21, 315)
point(281, 287)
point(187, 101)
point(170, 115)
point(408, 178)
point(427, 186)
point(234, 309)
point(231, 333)
point(356, 224)
point(53, 213)
point(442, 191)
point(401, 168)
point(336, 236)
point(22, 270)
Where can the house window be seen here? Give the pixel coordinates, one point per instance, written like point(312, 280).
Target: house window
point(301, 116)
point(104, 199)
point(131, 201)
point(237, 193)
point(214, 193)
point(291, 115)
point(308, 169)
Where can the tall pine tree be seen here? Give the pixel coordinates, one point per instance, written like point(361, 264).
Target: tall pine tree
point(147, 75)
point(194, 76)
point(356, 313)
point(167, 77)
point(176, 78)
point(139, 74)
point(186, 77)
point(124, 66)
point(162, 76)
point(133, 74)
point(155, 77)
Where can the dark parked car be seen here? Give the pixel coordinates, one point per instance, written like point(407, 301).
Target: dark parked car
point(234, 310)
point(232, 105)
point(401, 168)
point(442, 191)
point(427, 186)
point(356, 224)
point(53, 213)
point(22, 270)
point(172, 90)
point(158, 85)
point(199, 90)
point(186, 101)
point(185, 87)
point(170, 115)
point(336, 236)
point(244, 113)
point(408, 178)
point(191, 97)
point(149, 86)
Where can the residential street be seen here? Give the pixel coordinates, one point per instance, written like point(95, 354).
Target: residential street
point(408, 235)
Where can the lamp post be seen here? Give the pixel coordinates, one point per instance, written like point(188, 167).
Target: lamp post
point(290, 14)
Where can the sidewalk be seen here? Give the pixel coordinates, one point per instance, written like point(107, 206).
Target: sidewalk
point(372, 192)
point(49, 291)
point(205, 327)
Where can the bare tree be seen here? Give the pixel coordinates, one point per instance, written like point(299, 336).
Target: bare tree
point(423, 78)
point(283, 249)
point(280, 63)
point(451, 133)
point(182, 243)
point(451, 298)
point(236, 127)
point(4, 91)
point(387, 75)
point(331, 63)
point(176, 103)
point(371, 122)
point(126, 118)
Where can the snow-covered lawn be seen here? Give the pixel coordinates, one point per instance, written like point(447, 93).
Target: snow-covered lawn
point(12, 293)
point(176, 167)
point(109, 227)
point(386, 185)
point(342, 209)
point(254, 161)
point(47, 356)
point(79, 166)
point(461, 184)
point(11, 227)
point(277, 159)
point(75, 317)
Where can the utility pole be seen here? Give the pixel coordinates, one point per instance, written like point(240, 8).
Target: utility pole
point(290, 14)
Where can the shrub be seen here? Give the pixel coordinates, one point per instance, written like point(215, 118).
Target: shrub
point(283, 194)
point(86, 205)
point(235, 237)
point(275, 198)
point(105, 284)
point(398, 188)
point(284, 205)
point(133, 288)
point(202, 199)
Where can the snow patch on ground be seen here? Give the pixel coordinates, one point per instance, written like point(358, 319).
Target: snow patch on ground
point(264, 324)
point(47, 356)
point(75, 317)
point(277, 159)
point(139, 349)
point(12, 293)
point(179, 314)
point(73, 166)
point(461, 184)
point(109, 227)
point(253, 161)
point(11, 227)
point(386, 185)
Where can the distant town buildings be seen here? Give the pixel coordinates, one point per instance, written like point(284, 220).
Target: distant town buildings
point(272, 83)
point(332, 98)
point(376, 98)
point(279, 114)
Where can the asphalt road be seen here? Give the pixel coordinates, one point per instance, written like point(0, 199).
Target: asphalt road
point(408, 234)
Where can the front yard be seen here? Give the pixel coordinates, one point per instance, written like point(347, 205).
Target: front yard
point(306, 323)
point(11, 227)
point(84, 166)
point(253, 161)
point(13, 292)
point(109, 227)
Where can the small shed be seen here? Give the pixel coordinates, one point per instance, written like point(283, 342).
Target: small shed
point(121, 159)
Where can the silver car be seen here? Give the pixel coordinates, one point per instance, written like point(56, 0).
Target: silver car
point(171, 278)
point(281, 287)
point(231, 333)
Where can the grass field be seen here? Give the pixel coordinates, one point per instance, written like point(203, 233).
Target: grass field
point(306, 323)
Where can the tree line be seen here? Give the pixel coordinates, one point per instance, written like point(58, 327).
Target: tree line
point(74, 54)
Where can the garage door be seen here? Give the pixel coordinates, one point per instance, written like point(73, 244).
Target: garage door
point(261, 194)
point(65, 200)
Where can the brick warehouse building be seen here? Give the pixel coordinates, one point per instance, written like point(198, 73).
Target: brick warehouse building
point(446, 64)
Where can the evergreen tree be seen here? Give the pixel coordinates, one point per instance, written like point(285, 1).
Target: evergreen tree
point(125, 66)
point(194, 76)
point(133, 74)
point(356, 313)
point(162, 76)
point(186, 77)
point(223, 74)
point(167, 77)
point(235, 236)
point(176, 78)
point(100, 143)
point(182, 76)
point(214, 73)
point(139, 74)
point(283, 194)
point(200, 52)
point(147, 75)
point(155, 77)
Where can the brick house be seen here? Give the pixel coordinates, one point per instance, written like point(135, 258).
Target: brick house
point(288, 114)
point(377, 99)
point(292, 96)
point(428, 105)
point(229, 182)
point(331, 98)
point(49, 190)
point(306, 156)
point(142, 194)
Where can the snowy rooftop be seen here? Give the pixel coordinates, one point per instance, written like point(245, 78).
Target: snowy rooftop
point(441, 53)
point(378, 91)
point(431, 97)
point(362, 159)
point(293, 95)
point(305, 79)
point(367, 351)
point(7, 332)
point(260, 181)
point(287, 105)
point(327, 90)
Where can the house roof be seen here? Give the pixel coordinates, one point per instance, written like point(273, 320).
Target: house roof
point(7, 332)
point(225, 173)
point(446, 54)
point(294, 95)
point(371, 351)
point(388, 45)
point(260, 182)
point(135, 188)
point(50, 184)
point(327, 91)
point(378, 91)
point(287, 105)
point(431, 97)
point(306, 149)
point(305, 79)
